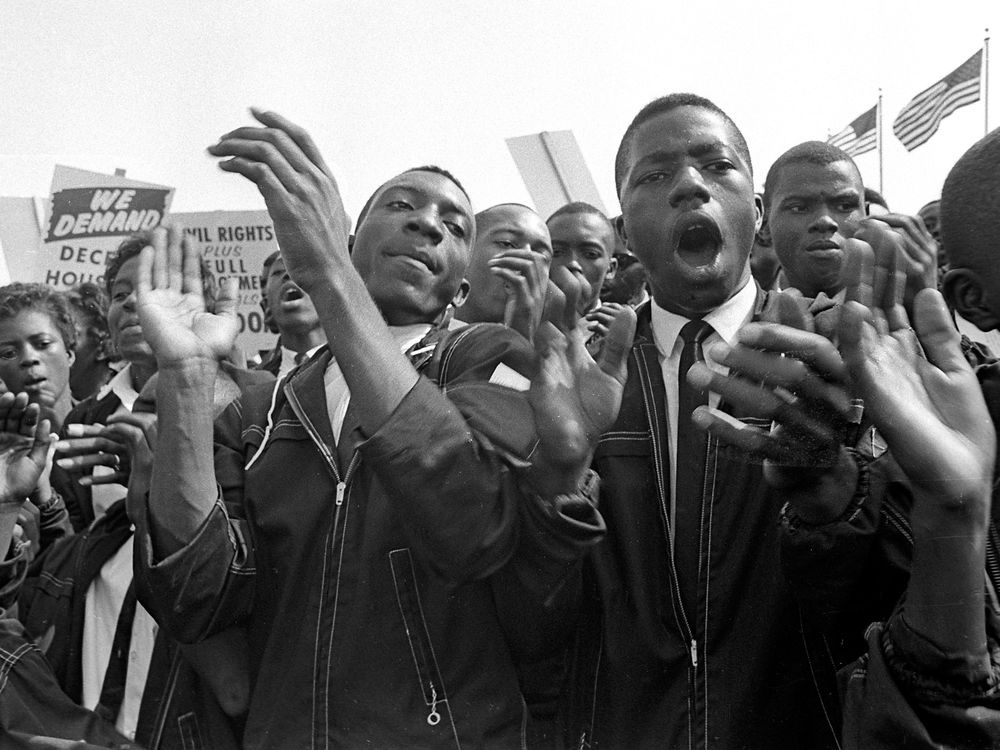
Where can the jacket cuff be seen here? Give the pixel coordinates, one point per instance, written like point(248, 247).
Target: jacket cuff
point(932, 676)
point(792, 522)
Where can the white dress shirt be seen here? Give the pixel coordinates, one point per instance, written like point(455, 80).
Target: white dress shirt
point(726, 320)
point(288, 362)
point(338, 396)
point(104, 496)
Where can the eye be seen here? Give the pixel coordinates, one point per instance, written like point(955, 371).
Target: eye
point(650, 177)
point(43, 344)
point(795, 208)
point(456, 229)
point(8, 352)
point(400, 204)
point(505, 244)
point(119, 297)
point(558, 252)
point(847, 206)
point(720, 166)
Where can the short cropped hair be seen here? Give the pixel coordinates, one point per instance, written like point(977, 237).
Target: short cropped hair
point(582, 207)
point(667, 104)
point(17, 297)
point(426, 168)
point(819, 153)
point(970, 205)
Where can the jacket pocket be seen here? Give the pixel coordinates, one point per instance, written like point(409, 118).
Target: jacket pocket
point(189, 731)
point(408, 597)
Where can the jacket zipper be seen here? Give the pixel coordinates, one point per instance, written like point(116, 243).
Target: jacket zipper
point(661, 486)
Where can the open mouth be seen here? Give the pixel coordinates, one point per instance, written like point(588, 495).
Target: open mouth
point(698, 243)
point(292, 293)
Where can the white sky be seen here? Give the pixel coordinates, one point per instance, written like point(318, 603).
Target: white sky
point(385, 86)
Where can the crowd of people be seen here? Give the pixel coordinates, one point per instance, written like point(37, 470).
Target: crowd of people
point(715, 473)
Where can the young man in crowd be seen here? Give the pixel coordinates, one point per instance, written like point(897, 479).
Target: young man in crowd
point(698, 639)
point(583, 240)
point(813, 203)
point(363, 515)
point(290, 313)
point(508, 273)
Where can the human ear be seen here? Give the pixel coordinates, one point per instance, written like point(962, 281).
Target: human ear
point(758, 203)
point(620, 229)
point(966, 294)
point(462, 294)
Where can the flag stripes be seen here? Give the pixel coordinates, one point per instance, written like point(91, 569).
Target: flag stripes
point(858, 137)
point(920, 119)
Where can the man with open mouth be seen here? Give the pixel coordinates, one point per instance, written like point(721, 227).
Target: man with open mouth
point(695, 639)
point(289, 312)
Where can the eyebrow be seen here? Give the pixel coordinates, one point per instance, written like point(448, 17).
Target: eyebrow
point(447, 206)
point(696, 149)
point(848, 193)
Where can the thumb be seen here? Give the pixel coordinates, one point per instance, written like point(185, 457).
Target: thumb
point(617, 344)
point(937, 333)
point(44, 444)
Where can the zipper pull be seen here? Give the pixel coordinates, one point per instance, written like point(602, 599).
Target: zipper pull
point(433, 718)
point(694, 653)
point(341, 486)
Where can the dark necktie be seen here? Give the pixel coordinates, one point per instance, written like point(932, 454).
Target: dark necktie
point(301, 357)
point(691, 449)
point(113, 688)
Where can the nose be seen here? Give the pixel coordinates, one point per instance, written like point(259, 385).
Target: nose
point(425, 221)
point(572, 262)
point(129, 303)
point(689, 187)
point(823, 223)
point(29, 356)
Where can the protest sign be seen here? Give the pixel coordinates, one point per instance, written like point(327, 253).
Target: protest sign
point(234, 245)
point(89, 215)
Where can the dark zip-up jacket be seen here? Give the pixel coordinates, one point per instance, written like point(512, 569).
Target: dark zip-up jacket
point(742, 669)
point(362, 569)
point(178, 710)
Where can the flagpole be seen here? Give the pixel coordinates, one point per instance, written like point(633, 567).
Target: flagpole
point(878, 139)
point(986, 83)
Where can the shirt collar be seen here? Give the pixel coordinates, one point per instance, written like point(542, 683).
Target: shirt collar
point(121, 386)
point(726, 319)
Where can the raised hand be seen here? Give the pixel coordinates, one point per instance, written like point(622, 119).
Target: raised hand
point(24, 445)
point(525, 274)
point(934, 418)
point(299, 189)
point(574, 397)
point(171, 303)
point(906, 242)
point(930, 409)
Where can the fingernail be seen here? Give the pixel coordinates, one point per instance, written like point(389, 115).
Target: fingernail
point(65, 463)
point(719, 351)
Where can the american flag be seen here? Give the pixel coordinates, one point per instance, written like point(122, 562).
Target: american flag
point(858, 137)
point(919, 119)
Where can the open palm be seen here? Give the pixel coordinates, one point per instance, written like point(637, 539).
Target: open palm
point(24, 442)
point(937, 398)
point(171, 303)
